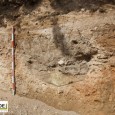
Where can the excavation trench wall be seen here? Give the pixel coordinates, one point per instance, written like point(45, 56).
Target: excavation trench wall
point(66, 59)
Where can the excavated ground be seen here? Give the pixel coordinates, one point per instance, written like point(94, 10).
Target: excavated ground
point(63, 58)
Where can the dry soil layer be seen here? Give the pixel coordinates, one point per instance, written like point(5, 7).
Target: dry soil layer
point(66, 60)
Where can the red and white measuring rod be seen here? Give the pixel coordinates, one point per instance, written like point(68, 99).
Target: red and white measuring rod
point(13, 62)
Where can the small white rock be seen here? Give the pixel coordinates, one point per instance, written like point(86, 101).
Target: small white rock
point(61, 62)
point(95, 28)
point(83, 9)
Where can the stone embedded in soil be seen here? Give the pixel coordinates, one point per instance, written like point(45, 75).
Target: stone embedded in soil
point(112, 61)
point(59, 79)
point(61, 62)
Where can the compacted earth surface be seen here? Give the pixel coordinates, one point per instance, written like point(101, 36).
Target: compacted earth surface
point(25, 106)
point(64, 55)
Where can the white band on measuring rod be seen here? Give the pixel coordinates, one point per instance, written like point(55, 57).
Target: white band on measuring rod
point(12, 51)
point(12, 36)
point(13, 92)
point(13, 80)
point(12, 66)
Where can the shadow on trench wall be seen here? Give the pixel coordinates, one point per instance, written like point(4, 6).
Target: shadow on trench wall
point(10, 9)
point(59, 38)
point(76, 5)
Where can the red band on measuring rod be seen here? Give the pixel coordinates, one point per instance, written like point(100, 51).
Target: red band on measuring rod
point(13, 86)
point(13, 44)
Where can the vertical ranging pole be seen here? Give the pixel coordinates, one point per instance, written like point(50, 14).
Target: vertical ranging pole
point(13, 62)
